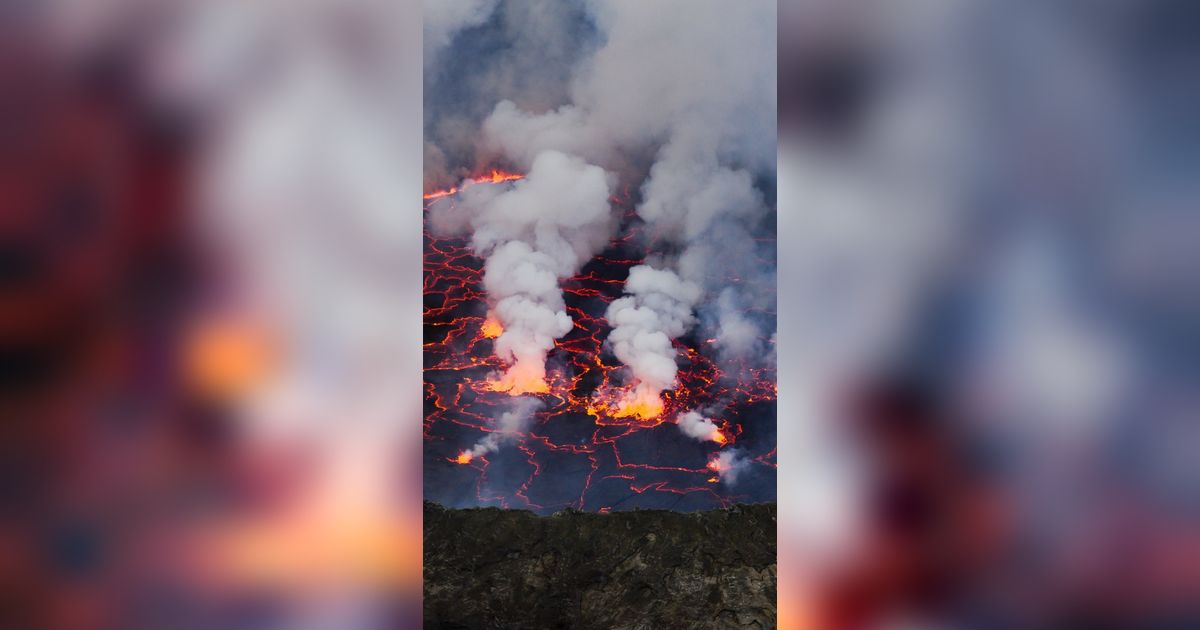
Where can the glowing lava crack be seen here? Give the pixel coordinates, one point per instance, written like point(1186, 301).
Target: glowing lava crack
point(593, 442)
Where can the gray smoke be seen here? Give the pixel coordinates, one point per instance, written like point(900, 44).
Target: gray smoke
point(523, 52)
point(694, 425)
point(445, 18)
point(729, 465)
point(510, 425)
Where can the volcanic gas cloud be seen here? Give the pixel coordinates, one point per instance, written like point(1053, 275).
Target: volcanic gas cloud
point(599, 295)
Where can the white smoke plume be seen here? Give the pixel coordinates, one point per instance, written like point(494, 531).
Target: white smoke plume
point(656, 309)
point(510, 425)
point(699, 95)
point(694, 425)
point(533, 235)
point(729, 465)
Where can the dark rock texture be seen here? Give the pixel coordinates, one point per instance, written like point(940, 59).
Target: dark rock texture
point(645, 569)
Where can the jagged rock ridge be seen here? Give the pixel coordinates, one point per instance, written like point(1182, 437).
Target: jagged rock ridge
point(644, 569)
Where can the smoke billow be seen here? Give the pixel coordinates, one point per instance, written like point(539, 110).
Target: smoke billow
point(507, 427)
point(479, 53)
point(738, 336)
point(657, 308)
point(729, 465)
point(520, 136)
point(532, 235)
point(695, 425)
point(705, 84)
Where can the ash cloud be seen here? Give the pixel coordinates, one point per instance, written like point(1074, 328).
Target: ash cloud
point(656, 309)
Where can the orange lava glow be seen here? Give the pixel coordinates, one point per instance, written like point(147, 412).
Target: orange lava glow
point(639, 406)
point(497, 177)
point(491, 328)
point(642, 404)
point(227, 359)
point(521, 378)
point(468, 385)
point(493, 177)
point(338, 528)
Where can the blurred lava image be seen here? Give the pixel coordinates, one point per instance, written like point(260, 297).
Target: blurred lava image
point(197, 430)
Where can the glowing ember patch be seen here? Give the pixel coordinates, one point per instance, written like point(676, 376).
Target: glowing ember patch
point(714, 465)
point(497, 177)
point(491, 328)
point(641, 405)
point(719, 437)
point(517, 387)
point(438, 194)
point(227, 359)
point(713, 479)
point(494, 177)
point(463, 458)
point(521, 378)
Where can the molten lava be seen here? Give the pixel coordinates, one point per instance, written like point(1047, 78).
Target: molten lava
point(643, 405)
point(494, 177)
point(595, 444)
point(638, 404)
point(497, 177)
point(515, 384)
point(527, 376)
point(491, 328)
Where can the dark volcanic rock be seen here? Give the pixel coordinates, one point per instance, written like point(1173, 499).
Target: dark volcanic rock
point(646, 569)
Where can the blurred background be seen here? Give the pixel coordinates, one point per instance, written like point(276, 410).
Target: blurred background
point(988, 306)
point(209, 313)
